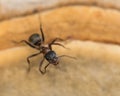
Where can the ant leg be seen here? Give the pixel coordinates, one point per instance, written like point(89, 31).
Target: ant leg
point(67, 56)
point(28, 59)
point(41, 65)
point(56, 39)
point(24, 41)
point(45, 68)
point(53, 43)
point(43, 38)
point(50, 46)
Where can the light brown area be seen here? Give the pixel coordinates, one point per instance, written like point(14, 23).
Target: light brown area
point(94, 73)
point(76, 22)
point(17, 8)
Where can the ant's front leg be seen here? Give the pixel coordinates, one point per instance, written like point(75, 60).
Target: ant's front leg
point(45, 68)
point(41, 65)
point(28, 59)
point(43, 72)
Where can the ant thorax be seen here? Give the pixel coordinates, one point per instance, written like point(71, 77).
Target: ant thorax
point(45, 49)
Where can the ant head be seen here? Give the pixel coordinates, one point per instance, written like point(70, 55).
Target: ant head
point(35, 39)
point(51, 57)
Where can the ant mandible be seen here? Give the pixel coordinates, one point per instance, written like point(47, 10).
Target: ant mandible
point(37, 42)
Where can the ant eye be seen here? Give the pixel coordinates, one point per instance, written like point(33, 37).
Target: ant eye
point(35, 39)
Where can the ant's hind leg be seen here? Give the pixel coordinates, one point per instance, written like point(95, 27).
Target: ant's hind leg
point(28, 60)
point(24, 41)
point(43, 38)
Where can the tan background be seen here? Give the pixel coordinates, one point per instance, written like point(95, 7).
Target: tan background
point(87, 25)
point(15, 8)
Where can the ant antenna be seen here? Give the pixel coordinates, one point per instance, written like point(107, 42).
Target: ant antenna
point(67, 56)
point(40, 24)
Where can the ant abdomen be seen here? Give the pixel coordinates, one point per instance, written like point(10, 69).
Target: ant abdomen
point(35, 39)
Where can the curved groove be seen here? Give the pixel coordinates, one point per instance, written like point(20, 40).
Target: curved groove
point(59, 5)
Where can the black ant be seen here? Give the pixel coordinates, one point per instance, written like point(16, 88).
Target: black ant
point(37, 42)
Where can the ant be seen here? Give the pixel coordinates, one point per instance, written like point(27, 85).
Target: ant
point(37, 42)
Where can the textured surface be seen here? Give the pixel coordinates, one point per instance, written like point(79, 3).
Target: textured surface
point(13, 8)
point(94, 73)
point(76, 22)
